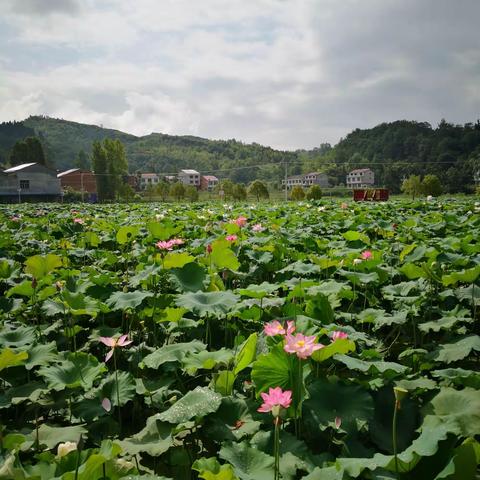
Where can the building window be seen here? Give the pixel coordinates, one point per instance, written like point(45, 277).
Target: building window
point(24, 184)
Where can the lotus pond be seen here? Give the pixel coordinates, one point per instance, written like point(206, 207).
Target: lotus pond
point(300, 341)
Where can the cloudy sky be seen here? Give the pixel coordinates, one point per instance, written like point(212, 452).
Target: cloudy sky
point(290, 74)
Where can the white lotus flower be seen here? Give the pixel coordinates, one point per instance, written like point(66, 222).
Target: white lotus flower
point(65, 448)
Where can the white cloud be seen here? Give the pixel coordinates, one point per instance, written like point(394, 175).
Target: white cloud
point(288, 74)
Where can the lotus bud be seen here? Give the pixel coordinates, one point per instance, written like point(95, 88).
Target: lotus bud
point(34, 282)
point(209, 249)
point(400, 394)
point(65, 448)
point(338, 422)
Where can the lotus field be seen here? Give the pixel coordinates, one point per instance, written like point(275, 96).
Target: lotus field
point(318, 341)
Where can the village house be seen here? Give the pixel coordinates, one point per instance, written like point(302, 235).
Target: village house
point(29, 182)
point(315, 178)
point(82, 181)
point(360, 178)
point(307, 180)
point(149, 179)
point(189, 177)
point(208, 182)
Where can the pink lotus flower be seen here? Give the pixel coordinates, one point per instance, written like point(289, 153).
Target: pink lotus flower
point(258, 228)
point(15, 218)
point(338, 422)
point(106, 404)
point(80, 221)
point(303, 346)
point(274, 399)
point(114, 343)
point(344, 206)
point(241, 221)
point(337, 334)
point(169, 244)
point(276, 328)
point(366, 255)
point(231, 238)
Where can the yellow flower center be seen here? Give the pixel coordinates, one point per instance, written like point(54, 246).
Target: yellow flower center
point(300, 343)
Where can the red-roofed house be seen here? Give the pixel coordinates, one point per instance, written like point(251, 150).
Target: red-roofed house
point(208, 182)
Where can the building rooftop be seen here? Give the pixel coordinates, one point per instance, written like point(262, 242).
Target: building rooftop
point(148, 175)
point(19, 167)
point(68, 172)
point(361, 170)
point(190, 172)
point(210, 177)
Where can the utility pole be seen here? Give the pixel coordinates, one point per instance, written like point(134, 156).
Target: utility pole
point(286, 178)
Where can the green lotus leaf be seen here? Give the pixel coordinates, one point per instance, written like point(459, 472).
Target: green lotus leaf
point(197, 403)
point(206, 360)
point(41, 354)
point(190, 278)
point(39, 265)
point(175, 352)
point(52, 436)
point(370, 367)
point(232, 421)
point(210, 469)
point(8, 358)
point(177, 260)
point(123, 382)
point(341, 345)
point(272, 370)
point(451, 352)
point(354, 236)
point(77, 370)
point(23, 289)
point(223, 257)
point(465, 276)
point(246, 354)
point(215, 304)
point(224, 382)
point(127, 234)
point(329, 400)
point(17, 337)
point(259, 291)
point(248, 463)
point(164, 230)
point(126, 300)
point(459, 410)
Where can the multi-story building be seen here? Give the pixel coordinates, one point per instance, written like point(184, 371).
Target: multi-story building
point(189, 177)
point(147, 179)
point(208, 182)
point(361, 177)
point(313, 178)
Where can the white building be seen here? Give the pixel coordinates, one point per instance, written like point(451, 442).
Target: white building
point(313, 178)
point(189, 177)
point(147, 179)
point(360, 177)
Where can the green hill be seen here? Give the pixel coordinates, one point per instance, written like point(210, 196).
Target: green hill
point(162, 153)
point(393, 150)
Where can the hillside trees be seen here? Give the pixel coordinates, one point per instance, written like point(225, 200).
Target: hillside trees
point(82, 161)
point(431, 185)
point(27, 151)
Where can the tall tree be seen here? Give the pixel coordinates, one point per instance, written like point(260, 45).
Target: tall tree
point(110, 166)
point(29, 150)
point(82, 161)
point(99, 165)
point(412, 186)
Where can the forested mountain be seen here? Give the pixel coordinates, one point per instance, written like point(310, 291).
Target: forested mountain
point(393, 150)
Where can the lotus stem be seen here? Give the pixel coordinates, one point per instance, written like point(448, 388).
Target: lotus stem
point(118, 392)
point(276, 448)
point(394, 434)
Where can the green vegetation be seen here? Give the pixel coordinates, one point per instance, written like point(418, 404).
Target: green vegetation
point(393, 150)
point(29, 150)
point(110, 166)
point(297, 193)
point(313, 340)
point(314, 193)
